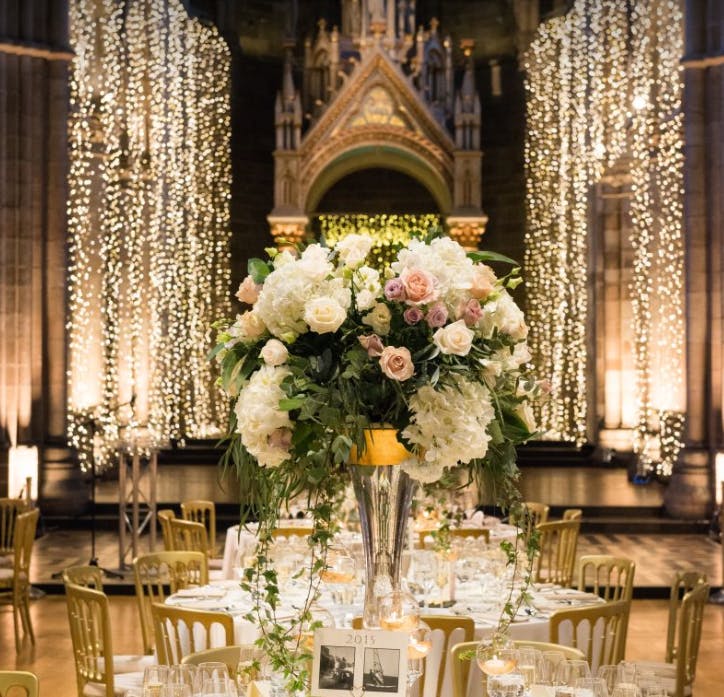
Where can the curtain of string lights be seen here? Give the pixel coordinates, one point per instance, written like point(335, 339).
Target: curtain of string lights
point(148, 223)
point(604, 84)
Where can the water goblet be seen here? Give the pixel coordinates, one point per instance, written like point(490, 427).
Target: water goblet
point(569, 671)
point(339, 572)
point(184, 674)
point(425, 571)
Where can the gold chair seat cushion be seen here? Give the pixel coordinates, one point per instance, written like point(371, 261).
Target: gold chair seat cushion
point(122, 685)
point(129, 663)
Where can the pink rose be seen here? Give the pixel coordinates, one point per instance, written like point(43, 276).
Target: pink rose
point(470, 312)
point(413, 315)
point(395, 289)
point(372, 344)
point(396, 363)
point(419, 286)
point(248, 291)
point(484, 279)
point(437, 315)
point(280, 438)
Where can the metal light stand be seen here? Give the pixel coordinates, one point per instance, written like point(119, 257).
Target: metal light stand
point(136, 498)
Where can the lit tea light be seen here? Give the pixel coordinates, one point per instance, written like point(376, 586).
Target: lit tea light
point(418, 649)
point(496, 665)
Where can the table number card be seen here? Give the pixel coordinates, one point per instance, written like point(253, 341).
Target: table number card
point(359, 662)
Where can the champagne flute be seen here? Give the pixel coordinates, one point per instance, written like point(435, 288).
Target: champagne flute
point(154, 678)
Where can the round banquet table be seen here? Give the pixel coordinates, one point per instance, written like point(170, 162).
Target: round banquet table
point(531, 624)
point(241, 541)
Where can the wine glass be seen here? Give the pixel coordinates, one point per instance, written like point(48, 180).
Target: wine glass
point(425, 570)
point(154, 678)
point(548, 665)
point(208, 674)
point(529, 665)
point(569, 671)
point(417, 651)
point(218, 686)
point(626, 689)
point(176, 689)
point(184, 674)
point(592, 687)
point(340, 573)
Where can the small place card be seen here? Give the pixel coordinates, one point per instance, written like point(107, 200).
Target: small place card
point(359, 662)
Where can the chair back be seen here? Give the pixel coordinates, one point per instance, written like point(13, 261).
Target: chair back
point(9, 510)
point(557, 552)
point(165, 516)
point(86, 576)
point(691, 616)
point(25, 526)
point(597, 630)
point(460, 655)
point(572, 514)
point(188, 536)
point(683, 582)
point(10, 679)
point(223, 654)
point(204, 512)
point(609, 577)
point(529, 515)
point(292, 531)
point(160, 574)
point(90, 634)
point(180, 631)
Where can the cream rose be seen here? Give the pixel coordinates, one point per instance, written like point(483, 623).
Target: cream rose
point(274, 352)
point(324, 315)
point(251, 325)
point(396, 363)
point(248, 291)
point(379, 319)
point(483, 284)
point(420, 286)
point(456, 338)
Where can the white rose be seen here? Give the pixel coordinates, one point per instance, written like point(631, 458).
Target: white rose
point(274, 352)
point(456, 338)
point(353, 249)
point(324, 315)
point(251, 326)
point(379, 319)
point(365, 299)
point(315, 263)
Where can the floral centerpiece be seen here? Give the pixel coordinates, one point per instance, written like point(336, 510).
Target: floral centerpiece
point(433, 346)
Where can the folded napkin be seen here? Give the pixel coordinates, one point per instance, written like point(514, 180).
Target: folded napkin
point(202, 592)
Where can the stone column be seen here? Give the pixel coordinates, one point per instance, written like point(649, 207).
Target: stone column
point(690, 493)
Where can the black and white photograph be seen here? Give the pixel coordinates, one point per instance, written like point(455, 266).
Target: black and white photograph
point(336, 667)
point(381, 670)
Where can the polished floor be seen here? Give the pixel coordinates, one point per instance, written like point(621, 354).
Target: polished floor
point(52, 659)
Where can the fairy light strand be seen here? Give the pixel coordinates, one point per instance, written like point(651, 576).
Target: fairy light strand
point(604, 85)
point(148, 223)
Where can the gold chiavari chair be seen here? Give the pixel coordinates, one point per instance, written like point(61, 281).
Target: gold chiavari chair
point(557, 552)
point(597, 630)
point(15, 582)
point(223, 654)
point(572, 514)
point(439, 667)
point(91, 637)
point(173, 642)
point(9, 510)
point(160, 574)
point(86, 576)
point(92, 577)
point(18, 679)
point(292, 531)
point(682, 649)
point(461, 654)
point(204, 512)
point(188, 536)
point(165, 516)
point(609, 577)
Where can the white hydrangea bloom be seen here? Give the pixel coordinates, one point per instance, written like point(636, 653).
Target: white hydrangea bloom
point(503, 314)
point(353, 249)
point(450, 425)
point(258, 414)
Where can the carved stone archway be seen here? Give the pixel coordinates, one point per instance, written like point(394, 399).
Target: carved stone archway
point(378, 110)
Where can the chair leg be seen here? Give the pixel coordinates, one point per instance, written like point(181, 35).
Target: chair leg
point(27, 624)
point(16, 619)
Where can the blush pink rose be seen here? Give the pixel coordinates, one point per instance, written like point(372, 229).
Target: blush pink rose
point(413, 315)
point(396, 363)
point(437, 315)
point(395, 289)
point(470, 312)
point(420, 287)
point(372, 344)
